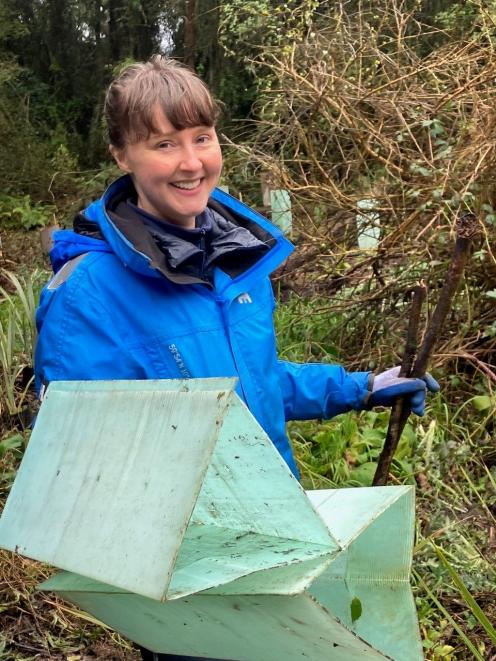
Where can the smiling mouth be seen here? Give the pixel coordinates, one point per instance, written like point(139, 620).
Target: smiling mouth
point(187, 185)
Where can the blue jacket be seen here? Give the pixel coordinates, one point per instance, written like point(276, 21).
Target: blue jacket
point(109, 314)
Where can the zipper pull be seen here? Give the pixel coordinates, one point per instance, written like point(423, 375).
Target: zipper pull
point(202, 248)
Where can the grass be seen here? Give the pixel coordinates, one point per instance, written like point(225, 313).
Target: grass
point(17, 339)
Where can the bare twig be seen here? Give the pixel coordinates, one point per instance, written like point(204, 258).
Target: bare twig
point(401, 410)
point(467, 228)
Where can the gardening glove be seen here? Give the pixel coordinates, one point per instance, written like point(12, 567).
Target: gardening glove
point(387, 386)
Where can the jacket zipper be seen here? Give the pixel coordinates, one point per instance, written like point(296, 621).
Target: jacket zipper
point(204, 252)
point(224, 305)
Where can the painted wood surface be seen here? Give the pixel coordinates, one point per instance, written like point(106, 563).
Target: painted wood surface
point(368, 528)
point(375, 527)
point(322, 628)
point(248, 486)
point(241, 627)
point(159, 488)
point(211, 556)
point(108, 483)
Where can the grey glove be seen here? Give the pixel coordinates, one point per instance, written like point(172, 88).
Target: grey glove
point(387, 386)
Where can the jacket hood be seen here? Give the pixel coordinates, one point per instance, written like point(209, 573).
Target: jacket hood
point(68, 244)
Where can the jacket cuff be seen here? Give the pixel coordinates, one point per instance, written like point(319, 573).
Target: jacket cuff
point(368, 393)
point(358, 391)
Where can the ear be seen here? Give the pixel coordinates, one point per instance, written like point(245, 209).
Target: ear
point(120, 157)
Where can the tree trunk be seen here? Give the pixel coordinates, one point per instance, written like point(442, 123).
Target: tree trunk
point(190, 33)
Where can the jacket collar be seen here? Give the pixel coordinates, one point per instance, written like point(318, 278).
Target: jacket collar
point(145, 259)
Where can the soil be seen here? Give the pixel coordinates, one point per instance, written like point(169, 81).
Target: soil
point(21, 251)
point(38, 626)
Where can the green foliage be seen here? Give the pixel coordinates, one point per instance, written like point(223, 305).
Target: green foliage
point(57, 58)
point(93, 183)
point(471, 18)
point(70, 188)
point(11, 444)
point(350, 104)
point(17, 339)
point(343, 452)
point(355, 609)
point(445, 454)
point(409, 131)
point(433, 638)
point(306, 329)
point(12, 448)
point(253, 24)
point(22, 213)
point(245, 30)
point(479, 615)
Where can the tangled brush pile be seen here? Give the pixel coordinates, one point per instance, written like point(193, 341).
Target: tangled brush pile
point(364, 113)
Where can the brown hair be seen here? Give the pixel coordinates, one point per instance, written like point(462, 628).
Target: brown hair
point(134, 95)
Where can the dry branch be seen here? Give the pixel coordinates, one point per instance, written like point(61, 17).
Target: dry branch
point(467, 228)
point(401, 410)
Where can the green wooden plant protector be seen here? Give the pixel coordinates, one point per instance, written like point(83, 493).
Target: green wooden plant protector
point(176, 522)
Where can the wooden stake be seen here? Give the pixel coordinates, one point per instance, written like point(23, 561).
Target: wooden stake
point(467, 227)
point(401, 410)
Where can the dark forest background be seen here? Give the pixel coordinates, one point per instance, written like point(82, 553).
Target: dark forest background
point(58, 56)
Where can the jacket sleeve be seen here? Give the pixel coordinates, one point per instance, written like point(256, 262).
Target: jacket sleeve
point(78, 339)
point(317, 390)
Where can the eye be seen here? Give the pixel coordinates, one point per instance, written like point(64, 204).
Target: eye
point(202, 139)
point(165, 144)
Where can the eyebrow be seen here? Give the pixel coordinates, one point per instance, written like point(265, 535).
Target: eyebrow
point(159, 135)
point(162, 136)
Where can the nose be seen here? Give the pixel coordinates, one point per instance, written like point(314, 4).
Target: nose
point(189, 160)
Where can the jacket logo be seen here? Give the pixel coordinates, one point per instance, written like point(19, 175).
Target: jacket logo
point(179, 361)
point(244, 298)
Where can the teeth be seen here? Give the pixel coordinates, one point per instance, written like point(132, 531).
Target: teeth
point(187, 185)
